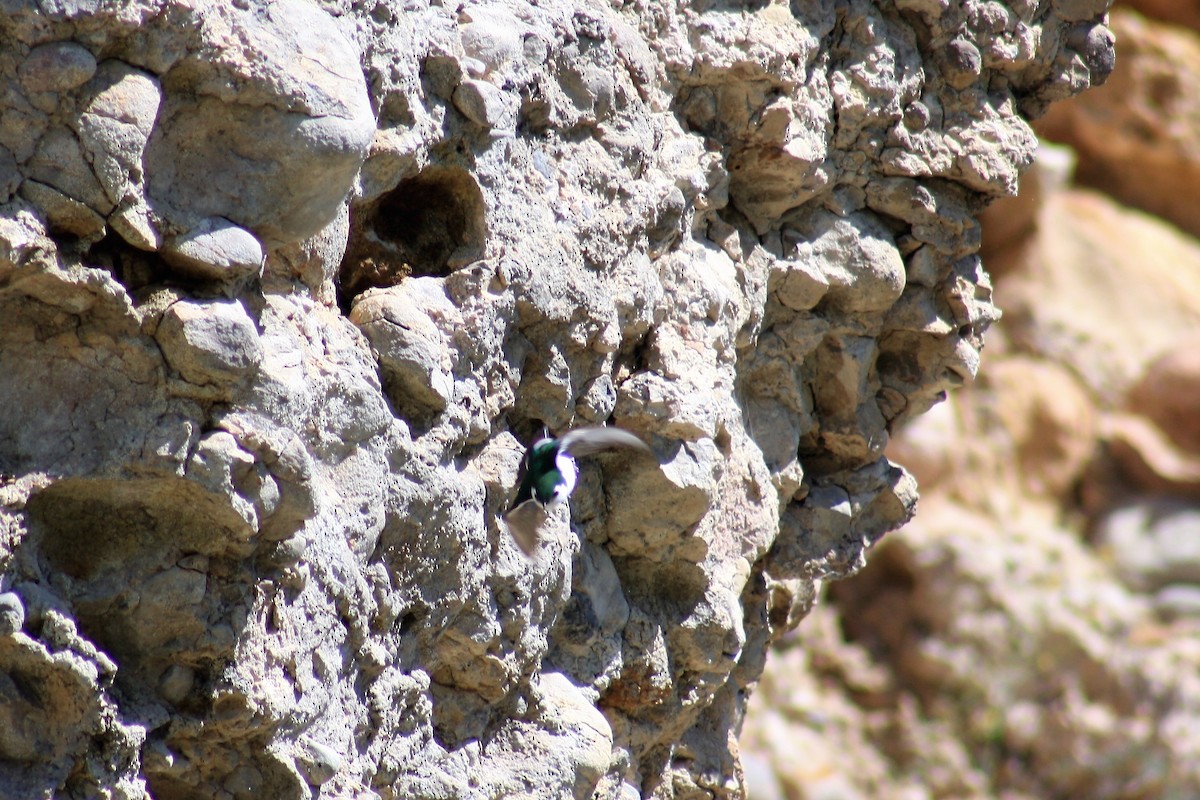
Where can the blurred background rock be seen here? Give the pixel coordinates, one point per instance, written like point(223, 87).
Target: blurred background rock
point(1035, 631)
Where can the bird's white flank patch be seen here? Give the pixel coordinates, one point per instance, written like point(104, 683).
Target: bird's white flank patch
point(565, 464)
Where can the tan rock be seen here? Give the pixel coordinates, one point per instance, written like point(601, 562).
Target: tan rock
point(1168, 394)
point(64, 214)
point(1027, 429)
point(57, 66)
point(1049, 419)
point(1147, 456)
point(1003, 611)
point(1010, 221)
point(1075, 291)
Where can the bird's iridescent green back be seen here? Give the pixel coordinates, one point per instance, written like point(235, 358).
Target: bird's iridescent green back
point(541, 473)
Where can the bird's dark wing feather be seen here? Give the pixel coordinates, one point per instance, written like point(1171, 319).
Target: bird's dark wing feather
point(525, 522)
point(585, 441)
point(525, 491)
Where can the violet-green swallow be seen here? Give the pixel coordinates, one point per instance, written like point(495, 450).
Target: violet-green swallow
point(551, 475)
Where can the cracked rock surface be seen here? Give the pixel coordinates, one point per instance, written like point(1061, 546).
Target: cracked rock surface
point(286, 288)
point(1035, 631)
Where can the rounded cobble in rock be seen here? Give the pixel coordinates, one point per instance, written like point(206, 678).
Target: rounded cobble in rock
point(12, 613)
point(57, 67)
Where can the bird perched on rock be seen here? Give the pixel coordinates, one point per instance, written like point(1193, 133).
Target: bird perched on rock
point(551, 475)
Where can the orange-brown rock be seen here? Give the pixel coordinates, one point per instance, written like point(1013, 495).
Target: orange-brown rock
point(1138, 136)
point(1178, 12)
point(1168, 394)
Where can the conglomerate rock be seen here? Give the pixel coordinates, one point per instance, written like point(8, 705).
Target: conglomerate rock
point(285, 288)
point(1035, 631)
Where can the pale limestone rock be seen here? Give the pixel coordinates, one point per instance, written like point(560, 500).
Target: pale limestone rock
point(798, 283)
point(63, 213)
point(318, 763)
point(210, 343)
point(176, 682)
point(12, 613)
point(56, 67)
point(1146, 458)
point(493, 35)
point(1179, 602)
point(1168, 394)
point(60, 162)
point(115, 126)
point(486, 105)
point(222, 467)
point(1182, 14)
point(1152, 543)
point(277, 160)
point(415, 353)
point(133, 223)
point(215, 249)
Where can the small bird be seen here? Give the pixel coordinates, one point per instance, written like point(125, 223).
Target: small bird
point(551, 475)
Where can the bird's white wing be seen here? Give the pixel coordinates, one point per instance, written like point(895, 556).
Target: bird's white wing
point(585, 441)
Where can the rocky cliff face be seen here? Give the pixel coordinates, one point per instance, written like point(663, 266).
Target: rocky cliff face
point(285, 289)
point(1035, 632)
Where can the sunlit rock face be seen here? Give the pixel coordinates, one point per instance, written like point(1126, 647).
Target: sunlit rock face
point(286, 289)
